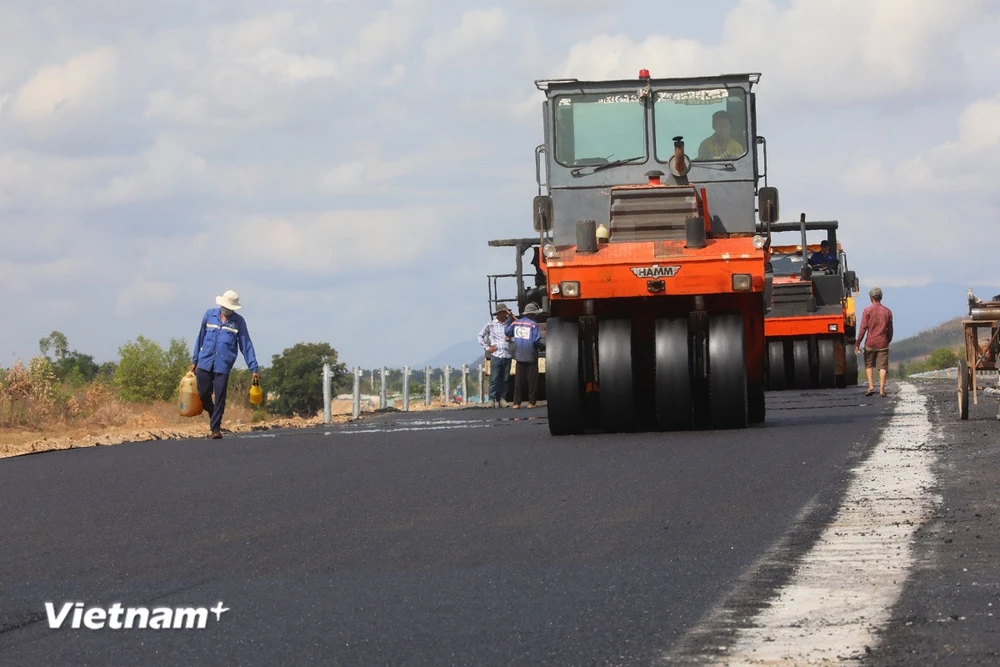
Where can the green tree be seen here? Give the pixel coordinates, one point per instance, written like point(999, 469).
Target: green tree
point(942, 358)
point(295, 376)
point(56, 343)
point(146, 372)
point(76, 368)
point(106, 372)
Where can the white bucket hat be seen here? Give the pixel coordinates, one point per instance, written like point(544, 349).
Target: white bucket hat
point(230, 300)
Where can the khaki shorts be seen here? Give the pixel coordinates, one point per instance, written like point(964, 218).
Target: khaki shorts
point(877, 359)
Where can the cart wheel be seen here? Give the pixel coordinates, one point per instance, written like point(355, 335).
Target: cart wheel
point(963, 389)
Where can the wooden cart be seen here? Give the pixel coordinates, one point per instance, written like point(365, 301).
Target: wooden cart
point(982, 345)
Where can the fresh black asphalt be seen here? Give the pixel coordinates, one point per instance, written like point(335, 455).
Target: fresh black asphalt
point(470, 537)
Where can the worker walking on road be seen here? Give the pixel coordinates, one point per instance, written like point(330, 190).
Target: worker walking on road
point(494, 340)
point(527, 340)
point(876, 322)
point(222, 335)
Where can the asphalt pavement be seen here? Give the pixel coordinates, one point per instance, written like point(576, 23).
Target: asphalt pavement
point(466, 537)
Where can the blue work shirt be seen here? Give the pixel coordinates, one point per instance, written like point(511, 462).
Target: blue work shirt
point(218, 343)
point(527, 340)
point(819, 257)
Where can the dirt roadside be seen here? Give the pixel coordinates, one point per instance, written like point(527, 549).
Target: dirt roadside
point(161, 422)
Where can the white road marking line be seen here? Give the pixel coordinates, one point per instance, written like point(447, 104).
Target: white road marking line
point(845, 587)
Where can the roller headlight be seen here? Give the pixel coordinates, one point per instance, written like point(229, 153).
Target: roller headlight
point(549, 251)
point(742, 282)
point(759, 241)
point(570, 288)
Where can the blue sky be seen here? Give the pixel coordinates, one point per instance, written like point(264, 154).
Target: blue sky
point(341, 164)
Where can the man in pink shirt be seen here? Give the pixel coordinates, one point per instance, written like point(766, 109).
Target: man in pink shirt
point(876, 322)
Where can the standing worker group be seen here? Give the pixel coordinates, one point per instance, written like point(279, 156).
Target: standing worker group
point(222, 335)
point(876, 322)
point(493, 338)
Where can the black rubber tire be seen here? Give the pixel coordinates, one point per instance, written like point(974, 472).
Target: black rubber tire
point(616, 379)
point(777, 371)
point(963, 389)
point(727, 373)
point(801, 370)
point(827, 363)
point(674, 403)
point(852, 364)
point(564, 376)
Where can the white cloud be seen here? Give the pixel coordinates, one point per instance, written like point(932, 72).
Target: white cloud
point(971, 162)
point(476, 28)
point(253, 35)
point(816, 52)
point(337, 242)
point(82, 85)
point(32, 180)
point(144, 294)
point(390, 33)
point(165, 169)
point(893, 281)
point(293, 67)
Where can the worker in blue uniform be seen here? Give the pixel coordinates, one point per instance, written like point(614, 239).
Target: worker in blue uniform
point(222, 336)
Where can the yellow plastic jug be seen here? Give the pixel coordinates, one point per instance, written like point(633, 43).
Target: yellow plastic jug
point(188, 400)
point(256, 395)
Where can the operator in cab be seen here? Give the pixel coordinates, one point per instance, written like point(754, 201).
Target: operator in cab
point(824, 257)
point(721, 145)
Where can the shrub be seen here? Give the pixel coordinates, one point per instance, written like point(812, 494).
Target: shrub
point(147, 373)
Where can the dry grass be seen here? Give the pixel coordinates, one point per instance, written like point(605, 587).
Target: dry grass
point(38, 414)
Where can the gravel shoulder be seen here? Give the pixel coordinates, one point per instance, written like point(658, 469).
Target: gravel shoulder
point(949, 613)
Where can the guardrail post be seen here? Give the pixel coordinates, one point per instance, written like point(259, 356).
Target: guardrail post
point(327, 390)
point(382, 389)
point(357, 392)
point(465, 384)
point(406, 388)
point(482, 395)
point(446, 385)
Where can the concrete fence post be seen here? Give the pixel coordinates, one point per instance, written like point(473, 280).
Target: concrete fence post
point(427, 386)
point(482, 394)
point(357, 392)
point(465, 384)
point(382, 389)
point(446, 385)
point(406, 388)
point(327, 390)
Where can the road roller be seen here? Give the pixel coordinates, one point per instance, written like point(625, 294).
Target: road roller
point(810, 322)
point(649, 195)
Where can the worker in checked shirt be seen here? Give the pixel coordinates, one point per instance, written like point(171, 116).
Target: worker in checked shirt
point(493, 338)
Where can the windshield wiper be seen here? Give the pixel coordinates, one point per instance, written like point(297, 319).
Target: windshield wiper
point(608, 165)
point(729, 166)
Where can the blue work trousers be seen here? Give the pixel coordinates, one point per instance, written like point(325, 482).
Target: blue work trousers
point(209, 382)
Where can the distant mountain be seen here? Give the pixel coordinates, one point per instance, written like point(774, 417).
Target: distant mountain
point(463, 352)
point(947, 334)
